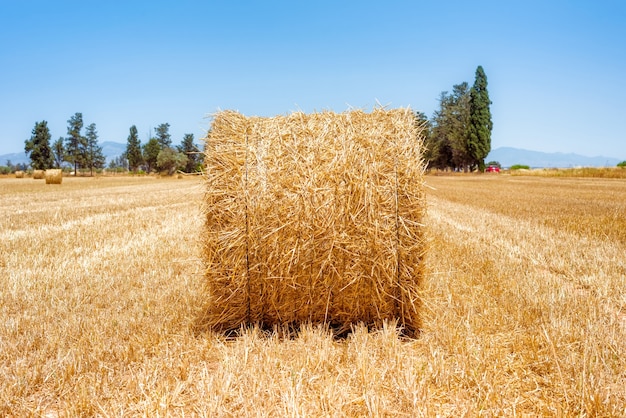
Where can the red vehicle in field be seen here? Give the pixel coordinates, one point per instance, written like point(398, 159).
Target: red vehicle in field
point(493, 169)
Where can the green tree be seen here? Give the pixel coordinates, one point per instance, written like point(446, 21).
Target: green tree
point(76, 144)
point(169, 160)
point(94, 157)
point(480, 124)
point(449, 130)
point(38, 146)
point(459, 123)
point(151, 153)
point(133, 150)
point(58, 151)
point(163, 135)
point(438, 144)
point(189, 149)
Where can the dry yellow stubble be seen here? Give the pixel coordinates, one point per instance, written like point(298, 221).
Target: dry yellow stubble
point(102, 291)
point(314, 218)
point(580, 172)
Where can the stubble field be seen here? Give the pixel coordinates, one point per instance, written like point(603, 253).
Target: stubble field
point(524, 303)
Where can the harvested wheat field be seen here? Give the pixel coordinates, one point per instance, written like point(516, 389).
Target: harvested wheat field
point(102, 290)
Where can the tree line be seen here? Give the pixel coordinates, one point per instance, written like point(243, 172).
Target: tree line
point(84, 153)
point(81, 151)
point(159, 154)
point(458, 136)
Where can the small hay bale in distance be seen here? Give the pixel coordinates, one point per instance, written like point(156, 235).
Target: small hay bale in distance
point(54, 176)
point(19, 174)
point(39, 174)
point(314, 217)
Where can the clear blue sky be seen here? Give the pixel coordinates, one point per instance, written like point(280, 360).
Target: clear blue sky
point(556, 69)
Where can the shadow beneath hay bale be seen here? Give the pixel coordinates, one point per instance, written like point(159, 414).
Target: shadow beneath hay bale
point(291, 331)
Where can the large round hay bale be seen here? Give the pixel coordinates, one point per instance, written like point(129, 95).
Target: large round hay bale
point(54, 176)
point(19, 174)
point(39, 174)
point(314, 217)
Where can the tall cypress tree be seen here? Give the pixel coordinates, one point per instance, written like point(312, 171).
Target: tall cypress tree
point(94, 156)
point(480, 124)
point(133, 149)
point(38, 146)
point(76, 143)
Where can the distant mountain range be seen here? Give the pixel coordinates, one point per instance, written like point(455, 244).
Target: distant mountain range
point(14, 158)
point(112, 150)
point(506, 156)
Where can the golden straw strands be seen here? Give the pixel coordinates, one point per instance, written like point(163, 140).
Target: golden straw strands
point(54, 176)
point(314, 217)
